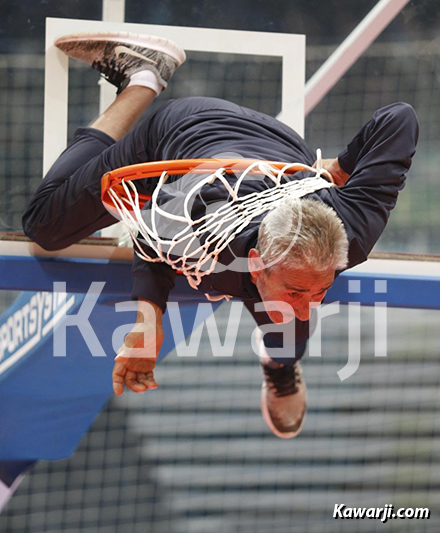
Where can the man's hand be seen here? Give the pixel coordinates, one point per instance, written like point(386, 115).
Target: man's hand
point(332, 165)
point(136, 359)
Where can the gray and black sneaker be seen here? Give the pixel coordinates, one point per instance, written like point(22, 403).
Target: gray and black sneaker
point(283, 398)
point(283, 395)
point(119, 55)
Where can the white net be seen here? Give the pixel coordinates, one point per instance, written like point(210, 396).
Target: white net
point(195, 247)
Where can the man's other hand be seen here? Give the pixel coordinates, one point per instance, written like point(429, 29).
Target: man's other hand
point(332, 165)
point(136, 358)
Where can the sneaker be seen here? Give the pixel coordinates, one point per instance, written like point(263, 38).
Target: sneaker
point(119, 55)
point(283, 396)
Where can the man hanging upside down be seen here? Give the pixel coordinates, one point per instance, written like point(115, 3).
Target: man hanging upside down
point(339, 225)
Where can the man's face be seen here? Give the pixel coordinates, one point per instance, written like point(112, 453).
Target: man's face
point(301, 289)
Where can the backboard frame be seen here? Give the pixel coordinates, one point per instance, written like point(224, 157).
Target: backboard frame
point(289, 47)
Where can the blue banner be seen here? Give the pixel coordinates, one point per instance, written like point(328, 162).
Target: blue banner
point(50, 399)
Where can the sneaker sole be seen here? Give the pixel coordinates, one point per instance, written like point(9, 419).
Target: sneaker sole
point(159, 44)
point(268, 420)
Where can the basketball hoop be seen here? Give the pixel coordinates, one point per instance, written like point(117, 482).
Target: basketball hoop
point(195, 260)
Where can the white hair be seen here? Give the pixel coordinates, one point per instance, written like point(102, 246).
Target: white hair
point(302, 234)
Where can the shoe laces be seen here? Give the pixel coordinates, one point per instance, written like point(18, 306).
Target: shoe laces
point(111, 70)
point(283, 380)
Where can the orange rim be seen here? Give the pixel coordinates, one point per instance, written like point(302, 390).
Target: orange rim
point(112, 180)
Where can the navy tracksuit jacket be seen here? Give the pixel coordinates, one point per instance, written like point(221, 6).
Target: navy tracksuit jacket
point(67, 205)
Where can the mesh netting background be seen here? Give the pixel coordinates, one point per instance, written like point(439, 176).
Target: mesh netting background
point(387, 73)
point(195, 456)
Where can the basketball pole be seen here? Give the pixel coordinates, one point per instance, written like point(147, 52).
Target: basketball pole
point(350, 50)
